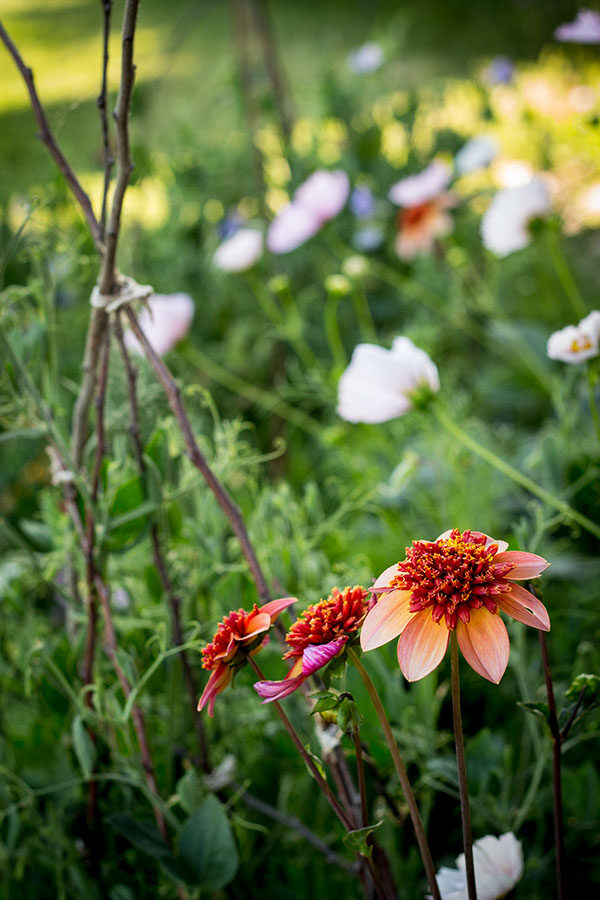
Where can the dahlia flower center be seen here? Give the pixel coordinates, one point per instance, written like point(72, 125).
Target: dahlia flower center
point(451, 576)
point(224, 645)
point(340, 615)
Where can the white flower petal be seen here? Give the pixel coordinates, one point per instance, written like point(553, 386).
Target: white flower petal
point(417, 189)
point(505, 225)
point(576, 343)
point(584, 30)
point(476, 154)
point(165, 320)
point(240, 251)
point(498, 863)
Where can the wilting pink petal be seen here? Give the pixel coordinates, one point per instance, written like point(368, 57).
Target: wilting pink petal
point(417, 189)
point(526, 565)
point(524, 607)
point(386, 620)
point(274, 607)
point(240, 251)
point(277, 690)
point(484, 643)
point(318, 655)
point(422, 646)
point(165, 320)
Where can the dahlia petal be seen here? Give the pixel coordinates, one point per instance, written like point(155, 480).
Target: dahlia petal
point(318, 655)
point(527, 565)
point(524, 607)
point(256, 623)
point(385, 577)
point(422, 646)
point(277, 690)
point(274, 607)
point(484, 643)
point(386, 620)
point(217, 682)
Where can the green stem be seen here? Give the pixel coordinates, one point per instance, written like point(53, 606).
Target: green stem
point(592, 380)
point(363, 314)
point(332, 330)
point(332, 800)
point(462, 770)
point(518, 477)
point(564, 274)
point(402, 775)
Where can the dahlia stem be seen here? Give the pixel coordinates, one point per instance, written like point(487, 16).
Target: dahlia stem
point(462, 770)
point(518, 477)
point(557, 739)
point(402, 775)
point(332, 800)
point(360, 772)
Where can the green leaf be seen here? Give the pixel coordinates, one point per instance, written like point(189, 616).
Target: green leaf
point(129, 514)
point(142, 835)
point(357, 840)
point(83, 746)
point(591, 684)
point(536, 708)
point(190, 791)
point(207, 847)
point(38, 534)
point(157, 449)
point(325, 703)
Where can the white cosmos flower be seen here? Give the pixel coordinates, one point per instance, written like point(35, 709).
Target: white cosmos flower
point(505, 224)
point(318, 199)
point(576, 343)
point(476, 154)
point(498, 864)
point(417, 189)
point(165, 320)
point(240, 251)
point(584, 30)
point(379, 384)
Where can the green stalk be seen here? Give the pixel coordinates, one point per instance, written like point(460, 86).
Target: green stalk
point(518, 477)
point(462, 770)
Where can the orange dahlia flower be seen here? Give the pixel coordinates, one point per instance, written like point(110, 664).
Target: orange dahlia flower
point(320, 633)
point(239, 635)
point(459, 582)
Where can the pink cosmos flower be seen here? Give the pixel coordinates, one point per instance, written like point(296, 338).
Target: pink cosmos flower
point(321, 197)
point(576, 343)
point(459, 582)
point(584, 30)
point(240, 251)
point(419, 226)
point(239, 635)
point(380, 384)
point(318, 635)
point(418, 189)
point(165, 320)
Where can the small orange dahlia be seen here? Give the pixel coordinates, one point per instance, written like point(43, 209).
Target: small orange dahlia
point(239, 635)
point(459, 582)
point(320, 633)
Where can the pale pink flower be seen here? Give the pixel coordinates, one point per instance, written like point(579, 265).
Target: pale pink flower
point(576, 343)
point(505, 226)
point(366, 58)
point(321, 197)
point(584, 30)
point(498, 864)
point(165, 320)
point(417, 189)
point(380, 384)
point(240, 251)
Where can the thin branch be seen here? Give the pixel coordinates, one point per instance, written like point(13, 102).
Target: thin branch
point(95, 335)
point(571, 720)
point(296, 825)
point(102, 98)
point(239, 16)
point(47, 137)
point(157, 553)
point(197, 458)
point(272, 62)
point(124, 161)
